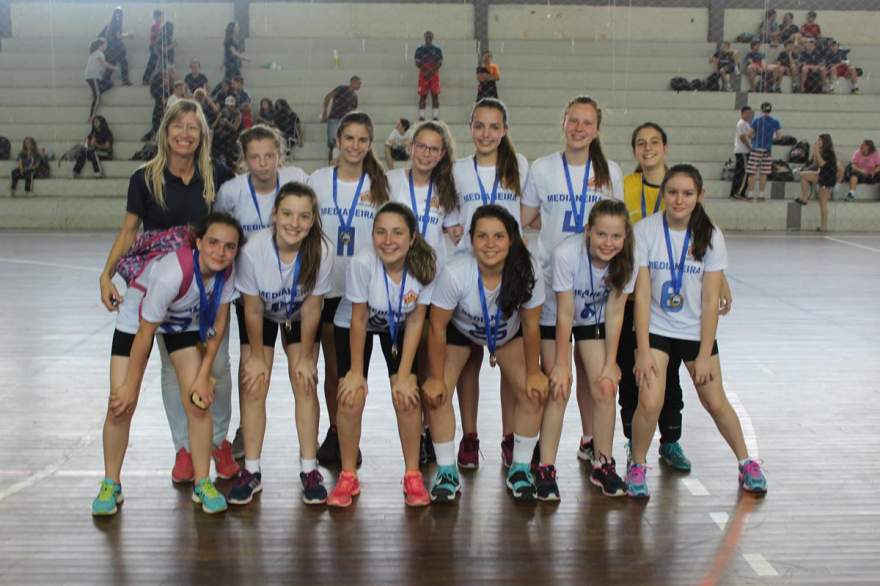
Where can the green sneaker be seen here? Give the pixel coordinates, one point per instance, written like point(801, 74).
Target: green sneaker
point(207, 494)
point(521, 482)
point(109, 495)
point(673, 454)
point(446, 485)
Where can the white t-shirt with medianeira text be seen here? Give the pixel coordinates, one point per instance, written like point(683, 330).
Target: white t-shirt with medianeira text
point(438, 217)
point(235, 198)
point(257, 273)
point(456, 289)
point(682, 323)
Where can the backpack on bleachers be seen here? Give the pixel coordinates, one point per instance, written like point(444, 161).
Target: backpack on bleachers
point(785, 140)
point(698, 85)
point(799, 153)
point(5, 148)
point(679, 84)
point(713, 83)
point(147, 152)
point(812, 84)
point(781, 171)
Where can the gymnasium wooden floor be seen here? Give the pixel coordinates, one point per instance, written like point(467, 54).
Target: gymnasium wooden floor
point(800, 356)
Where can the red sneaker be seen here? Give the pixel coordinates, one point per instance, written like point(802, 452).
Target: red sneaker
point(225, 464)
point(183, 467)
point(469, 452)
point(414, 492)
point(346, 487)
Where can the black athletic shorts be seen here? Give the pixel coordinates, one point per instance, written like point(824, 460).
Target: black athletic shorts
point(454, 337)
point(580, 333)
point(328, 312)
point(270, 328)
point(686, 350)
point(343, 351)
point(122, 342)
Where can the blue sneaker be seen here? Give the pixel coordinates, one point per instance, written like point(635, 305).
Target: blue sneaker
point(109, 495)
point(521, 482)
point(210, 498)
point(247, 485)
point(673, 454)
point(752, 478)
point(314, 491)
point(636, 483)
point(446, 485)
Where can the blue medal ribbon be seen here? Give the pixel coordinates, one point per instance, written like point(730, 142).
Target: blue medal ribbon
point(343, 225)
point(676, 273)
point(599, 307)
point(577, 216)
point(491, 332)
point(392, 316)
point(290, 304)
point(250, 182)
point(415, 207)
point(208, 308)
point(645, 203)
point(487, 200)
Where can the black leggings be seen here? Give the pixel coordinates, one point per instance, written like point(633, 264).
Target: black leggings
point(27, 175)
point(89, 154)
point(628, 397)
point(96, 87)
point(343, 351)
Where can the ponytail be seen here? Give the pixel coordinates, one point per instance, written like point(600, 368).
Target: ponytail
point(621, 267)
point(700, 225)
point(598, 162)
point(506, 165)
point(421, 260)
point(518, 276)
point(372, 167)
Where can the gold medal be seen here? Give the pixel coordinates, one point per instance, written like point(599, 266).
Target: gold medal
point(394, 351)
point(676, 300)
point(492, 360)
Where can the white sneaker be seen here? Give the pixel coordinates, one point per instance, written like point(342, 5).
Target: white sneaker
point(850, 196)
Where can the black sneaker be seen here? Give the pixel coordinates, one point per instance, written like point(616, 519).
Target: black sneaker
point(585, 451)
point(426, 449)
point(605, 477)
point(536, 457)
point(545, 481)
point(328, 452)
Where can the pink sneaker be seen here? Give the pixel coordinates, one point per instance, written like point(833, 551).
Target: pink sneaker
point(346, 487)
point(469, 452)
point(414, 492)
point(225, 464)
point(183, 467)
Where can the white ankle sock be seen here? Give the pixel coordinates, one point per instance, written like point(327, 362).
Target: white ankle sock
point(252, 466)
point(308, 465)
point(445, 452)
point(523, 447)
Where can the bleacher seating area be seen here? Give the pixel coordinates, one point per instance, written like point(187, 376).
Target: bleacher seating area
point(42, 94)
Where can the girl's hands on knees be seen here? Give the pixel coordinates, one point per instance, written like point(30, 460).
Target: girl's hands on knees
point(435, 392)
point(405, 391)
point(306, 374)
point(537, 386)
point(646, 368)
point(702, 370)
point(204, 388)
point(560, 381)
point(612, 372)
point(122, 400)
point(350, 388)
point(255, 375)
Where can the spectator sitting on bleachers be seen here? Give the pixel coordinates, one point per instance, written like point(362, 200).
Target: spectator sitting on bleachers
point(788, 30)
point(221, 90)
point(786, 64)
point(236, 89)
point(811, 28)
point(753, 63)
point(27, 164)
point(95, 68)
point(247, 116)
point(195, 78)
point(811, 61)
point(98, 147)
point(116, 51)
point(178, 92)
point(155, 30)
point(864, 167)
point(232, 51)
point(397, 143)
point(724, 63)
point(839, 66)
point(288, 123)
point(209, 107)
point(266, 113)
point(226, 129)
point(768, 30)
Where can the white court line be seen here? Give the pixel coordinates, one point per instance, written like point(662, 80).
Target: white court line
point(720, 519)
point(746, 422)
point(50, 469)
point(853, 244)
point(695, 486)
point(38, 263)
point(761, 566)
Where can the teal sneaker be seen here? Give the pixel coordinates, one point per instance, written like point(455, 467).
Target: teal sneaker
point(673, 454)
point(207, 494)
point(521, 482)
point(446, 485)
point(109, 496)
point(752, 478)
point(636, 483)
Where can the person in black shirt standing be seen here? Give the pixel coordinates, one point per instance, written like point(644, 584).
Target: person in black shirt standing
point(232, 51)
point(345, 100)
point(195, 78)
point(429, 60)
point(176, 188)
point(116, 52)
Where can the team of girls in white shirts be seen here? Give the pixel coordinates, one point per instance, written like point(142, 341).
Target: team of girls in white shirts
point(433, 262)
